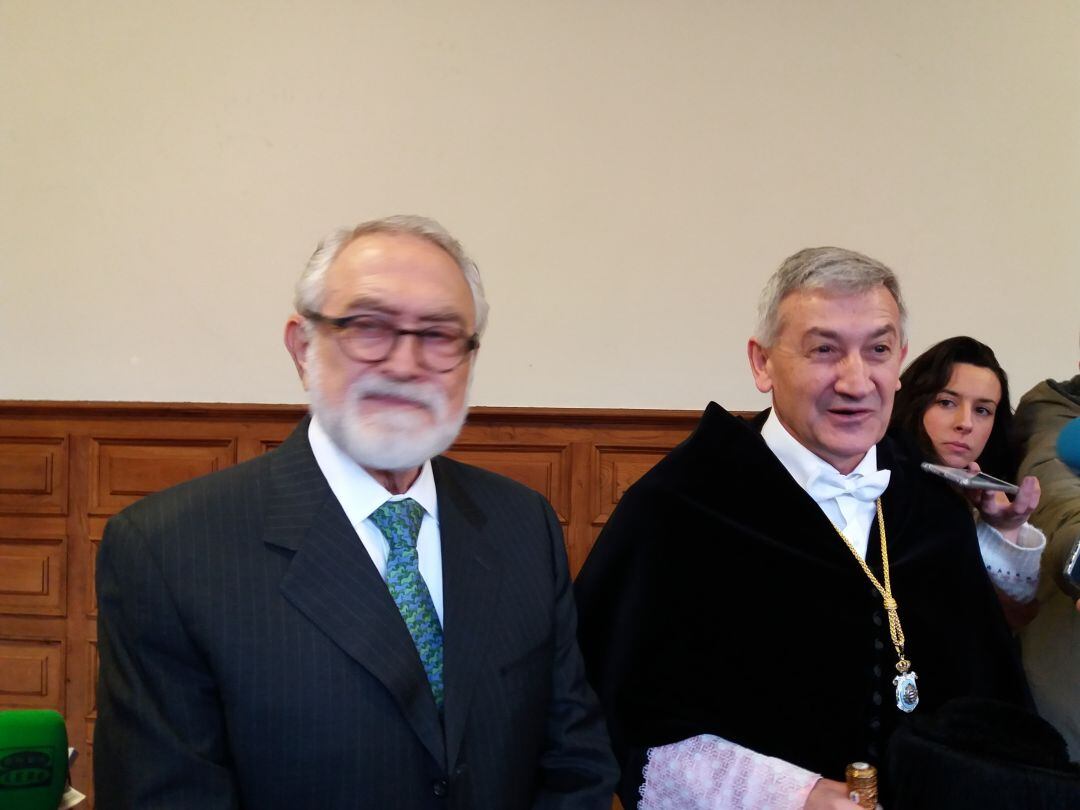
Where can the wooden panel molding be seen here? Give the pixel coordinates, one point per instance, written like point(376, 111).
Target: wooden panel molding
point(545, 468)
point(33, 475)
point(617, 468)
point(33, 571)
point(91, 690)
point(124, 470)
point(31, 674)
point(93, 544)
point(65, 468)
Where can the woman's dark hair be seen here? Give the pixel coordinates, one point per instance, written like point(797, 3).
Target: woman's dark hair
point(925, 378)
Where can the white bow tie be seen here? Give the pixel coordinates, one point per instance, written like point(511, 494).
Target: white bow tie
point(829, 484)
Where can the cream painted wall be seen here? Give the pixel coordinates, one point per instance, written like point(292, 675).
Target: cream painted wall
point(626, 172)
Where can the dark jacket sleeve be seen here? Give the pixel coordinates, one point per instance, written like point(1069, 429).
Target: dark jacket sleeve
point(614, 599)
point(159, 740)
point(1042, 414)
point(576, 766)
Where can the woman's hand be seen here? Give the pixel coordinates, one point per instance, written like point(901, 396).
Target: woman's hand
point(998, 511)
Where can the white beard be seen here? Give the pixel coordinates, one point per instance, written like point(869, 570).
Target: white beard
point(390, 440)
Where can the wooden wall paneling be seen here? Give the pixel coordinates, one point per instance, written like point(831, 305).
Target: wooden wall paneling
point(578, 535)
point(81, 627)
point(259, 437)
point(32, 673)
point(90, 674)
point(617, 468)
point(33, 566)
point(124, 470)
point(543, 467)
point(33, 474)
point(34, 583)
point(96, 530)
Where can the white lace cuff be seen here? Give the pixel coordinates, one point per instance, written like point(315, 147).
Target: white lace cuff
point(707, 773)
point(1013, 567)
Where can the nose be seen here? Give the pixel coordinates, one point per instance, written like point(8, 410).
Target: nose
point(963, 423)
point(853, 378)
point(403, 362)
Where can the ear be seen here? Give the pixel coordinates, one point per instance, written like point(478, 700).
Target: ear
point(759, 365)
point(903, 356)
point(298, 343)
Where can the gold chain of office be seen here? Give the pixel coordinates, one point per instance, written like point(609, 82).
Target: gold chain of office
point(896, 632)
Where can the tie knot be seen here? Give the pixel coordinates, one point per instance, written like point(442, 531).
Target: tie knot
point(399, 521)
point(831, 484)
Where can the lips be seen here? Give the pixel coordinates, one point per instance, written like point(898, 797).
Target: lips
point(851, 414)
point(958, 447)
point(391, 401)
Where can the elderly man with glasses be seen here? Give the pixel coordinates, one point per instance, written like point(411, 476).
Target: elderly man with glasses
point(351, 620)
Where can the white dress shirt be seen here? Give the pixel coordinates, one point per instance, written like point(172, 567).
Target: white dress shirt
point(853, 517)
point(360, 495)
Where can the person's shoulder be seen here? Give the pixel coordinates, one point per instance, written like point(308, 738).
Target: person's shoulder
point(1069, 390)
point(898, 452)
point(239, 483)
point(900, 446)
point(1051, 392)
point(703, 456)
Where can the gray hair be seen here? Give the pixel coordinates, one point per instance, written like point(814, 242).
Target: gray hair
point(311, 286)
point(829, 268)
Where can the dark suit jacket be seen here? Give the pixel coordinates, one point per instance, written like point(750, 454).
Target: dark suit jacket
point(251, 656)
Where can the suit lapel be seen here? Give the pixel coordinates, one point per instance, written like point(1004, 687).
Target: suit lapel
point(333, 582)
point(470, 595)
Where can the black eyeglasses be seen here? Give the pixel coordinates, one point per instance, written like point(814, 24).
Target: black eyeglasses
point(369, 339)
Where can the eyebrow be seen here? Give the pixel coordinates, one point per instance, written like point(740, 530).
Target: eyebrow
point(958, 395)
point(375, 305)
point(832, 334)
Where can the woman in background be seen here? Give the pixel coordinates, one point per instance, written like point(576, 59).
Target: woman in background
point(953, 404)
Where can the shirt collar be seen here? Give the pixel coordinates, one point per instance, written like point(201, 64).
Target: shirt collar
point(355, 486)
point(800, 463)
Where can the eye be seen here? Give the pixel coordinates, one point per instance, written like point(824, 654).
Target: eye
point(883, 349)
point(440, 337)
point(983, 410)
point(945, 402)
point(822, 350)
point(365, 327)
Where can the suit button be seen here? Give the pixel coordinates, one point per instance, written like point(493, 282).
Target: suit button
point(879, 645)
point(875, 724)
point(876, 697)
point(461, 770)
point(878, 620)
point(877, 671)
point(440, 787)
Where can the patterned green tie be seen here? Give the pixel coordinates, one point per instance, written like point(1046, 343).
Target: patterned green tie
point(399, 521)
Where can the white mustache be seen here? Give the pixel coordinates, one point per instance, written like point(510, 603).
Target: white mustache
point(423, 394)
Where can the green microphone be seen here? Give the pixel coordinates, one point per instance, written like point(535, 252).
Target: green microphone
point(33, 759)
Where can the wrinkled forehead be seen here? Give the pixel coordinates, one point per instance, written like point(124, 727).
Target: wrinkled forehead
point(399, 272)
point(842, 312)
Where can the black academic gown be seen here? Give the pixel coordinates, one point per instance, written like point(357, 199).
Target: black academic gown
point(720, 600)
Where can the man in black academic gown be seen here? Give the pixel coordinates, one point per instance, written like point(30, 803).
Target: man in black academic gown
point(735, 610)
